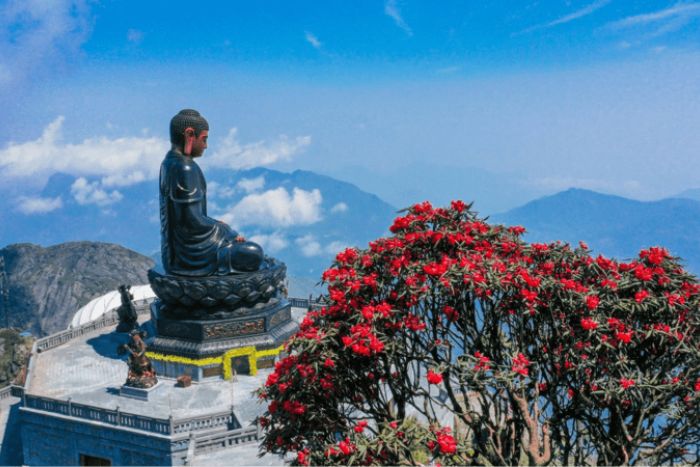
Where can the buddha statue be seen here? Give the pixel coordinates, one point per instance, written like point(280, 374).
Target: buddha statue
point(192, 243)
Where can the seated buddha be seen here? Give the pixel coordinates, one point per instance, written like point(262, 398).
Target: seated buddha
point(192, 243)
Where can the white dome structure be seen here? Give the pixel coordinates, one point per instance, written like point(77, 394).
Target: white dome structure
point(110, 301)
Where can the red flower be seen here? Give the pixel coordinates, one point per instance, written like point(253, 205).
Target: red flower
point(592, 302)
point(360, 427)
point(447, 443)
point(520, 364)
point(451, 313)
point(588, 324)
point(624, 337)
point(434, 378)
point(483, 363)
point(346, 446)
point(458, 205)
point(626, 383)
point(642, 273)
point(570, 393)
point(393, 425)
point(640, 296)
point(302, 456)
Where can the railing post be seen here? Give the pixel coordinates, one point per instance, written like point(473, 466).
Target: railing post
point(119, 416)
point(70, 407)
point(172, 424)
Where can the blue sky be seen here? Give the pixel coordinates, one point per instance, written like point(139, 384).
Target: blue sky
point(496, 102)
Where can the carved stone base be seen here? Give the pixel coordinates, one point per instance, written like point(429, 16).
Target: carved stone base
point(260, 319)
point(216, 297)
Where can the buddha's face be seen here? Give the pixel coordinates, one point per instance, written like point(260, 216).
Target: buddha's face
point(199, 144)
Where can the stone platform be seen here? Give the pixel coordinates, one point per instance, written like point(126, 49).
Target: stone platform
point(250, 338)
point(72, 408)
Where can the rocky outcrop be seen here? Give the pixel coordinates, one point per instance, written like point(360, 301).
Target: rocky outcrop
point(41, 288)
point(14, 351)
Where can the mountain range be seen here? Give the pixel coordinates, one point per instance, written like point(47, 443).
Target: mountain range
point(613, 225)
point(301, 217)
point(304, 218)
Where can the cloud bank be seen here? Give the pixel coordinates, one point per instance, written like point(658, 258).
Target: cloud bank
point(38, 205)
point(276, 208)
point(231, 154)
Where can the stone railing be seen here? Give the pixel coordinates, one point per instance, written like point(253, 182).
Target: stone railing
point(215, 421)
point(110, 318)
point(304, 303)
point(6, 392)
point(216, 441)
point(221, 420)
point(99, 414)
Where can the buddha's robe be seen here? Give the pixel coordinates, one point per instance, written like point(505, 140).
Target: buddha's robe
point(193, 244)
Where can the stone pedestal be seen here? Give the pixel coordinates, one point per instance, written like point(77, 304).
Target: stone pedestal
point(138, 393)
point(204, 349)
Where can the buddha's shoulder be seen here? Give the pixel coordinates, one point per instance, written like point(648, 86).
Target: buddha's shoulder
point(175, 162)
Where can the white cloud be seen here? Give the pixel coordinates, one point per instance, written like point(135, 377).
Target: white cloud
point(580, 13)
point(38, 205)
point(85, 192)
point(333, 248)
point(271, 243)
point(277, 208)
point(310, 246)
point(217, 191)
point(392, 10)
point(677, 11)
point(340, 207)
point(234, 155)
point(313, 40)
point(120, 161)
point(250, 185)
point(38, 36)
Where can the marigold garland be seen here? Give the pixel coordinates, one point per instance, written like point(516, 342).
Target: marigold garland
point(225, 360)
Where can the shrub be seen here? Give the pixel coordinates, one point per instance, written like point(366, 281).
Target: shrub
point(539, 353)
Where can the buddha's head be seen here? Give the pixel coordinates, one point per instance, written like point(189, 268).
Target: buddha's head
point(189, 132)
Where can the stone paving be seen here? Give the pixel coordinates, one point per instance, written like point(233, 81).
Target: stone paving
point(88, 370)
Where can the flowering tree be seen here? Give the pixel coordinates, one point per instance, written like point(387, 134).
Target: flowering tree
point(454, 341)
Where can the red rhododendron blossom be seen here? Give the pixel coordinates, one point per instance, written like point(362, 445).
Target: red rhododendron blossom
point(451, 313)
point(654, 255)
point(360, 427)
point(434, 378)
point(642, 273)
point(624, 337)
point(447, 443)
point(520, 364)
point(640, 296)
point(592, 302)
point(346, 447)
point(483, 363)
point(626, 383)
point(458, 205)
point(588, 324)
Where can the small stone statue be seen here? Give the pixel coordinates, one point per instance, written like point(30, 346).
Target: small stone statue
point(141, 373)
point(192, 243)
point(127, 311)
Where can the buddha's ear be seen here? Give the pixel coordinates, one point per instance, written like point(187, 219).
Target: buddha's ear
point(189, 139)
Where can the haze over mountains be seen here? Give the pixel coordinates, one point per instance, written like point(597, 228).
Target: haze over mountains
point(305, 218)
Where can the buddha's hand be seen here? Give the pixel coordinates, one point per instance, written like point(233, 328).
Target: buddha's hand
point(240, 239)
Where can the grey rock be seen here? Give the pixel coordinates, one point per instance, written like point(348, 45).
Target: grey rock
point(43, 287)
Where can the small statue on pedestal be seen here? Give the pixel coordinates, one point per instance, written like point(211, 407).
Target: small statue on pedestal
point(127, 311)
point(141, 373)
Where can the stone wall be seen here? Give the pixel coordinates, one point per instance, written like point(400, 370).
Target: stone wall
point(43, 434)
